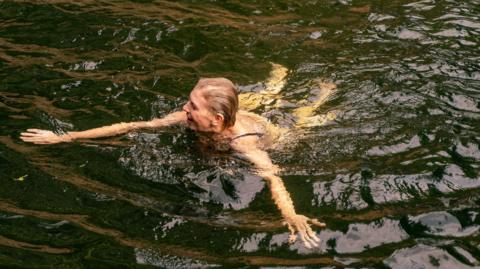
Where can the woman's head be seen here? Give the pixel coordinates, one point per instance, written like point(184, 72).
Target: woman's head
point(213, 105)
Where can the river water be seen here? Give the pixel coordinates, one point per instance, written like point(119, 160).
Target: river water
point(394, 172)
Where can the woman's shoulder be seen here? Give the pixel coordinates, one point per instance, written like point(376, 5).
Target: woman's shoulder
point(260, 128)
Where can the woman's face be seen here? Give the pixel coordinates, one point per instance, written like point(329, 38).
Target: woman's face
point(199, 117)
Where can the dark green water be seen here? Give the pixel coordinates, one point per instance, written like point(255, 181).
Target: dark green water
point(395, 176)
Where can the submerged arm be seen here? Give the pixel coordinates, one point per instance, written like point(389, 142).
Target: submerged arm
point(281, 197)
point(38, 136)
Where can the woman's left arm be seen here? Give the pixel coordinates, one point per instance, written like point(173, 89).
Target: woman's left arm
point(296, 223)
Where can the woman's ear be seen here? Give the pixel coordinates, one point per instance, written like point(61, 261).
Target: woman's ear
point(219, 119)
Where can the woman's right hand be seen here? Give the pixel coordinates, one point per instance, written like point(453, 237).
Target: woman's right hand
point(301, 224)
point(38, 136)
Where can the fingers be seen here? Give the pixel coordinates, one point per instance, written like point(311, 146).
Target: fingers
point(37, 140)
point(292, 237)
point(32, 139)
point(307, 235)
point(318, 223)
point(38, 131)
point(28, 134)
point(42, 142)
point(303, 227)
point(38, 136)
point(311, 233)
point(29, 138)
point(307, 241)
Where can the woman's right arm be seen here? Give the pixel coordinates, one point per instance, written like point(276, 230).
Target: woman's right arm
point(38, 136)
point(295, 222)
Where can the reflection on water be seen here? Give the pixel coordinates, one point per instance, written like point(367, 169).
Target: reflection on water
point(385, 98)
point(444, 224)
point(360, 237)
point(233, 190)
point(423, 256)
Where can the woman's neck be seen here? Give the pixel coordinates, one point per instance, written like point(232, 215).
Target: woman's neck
point(225, 133)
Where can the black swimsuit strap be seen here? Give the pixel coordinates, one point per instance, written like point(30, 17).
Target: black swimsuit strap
point(247, 134)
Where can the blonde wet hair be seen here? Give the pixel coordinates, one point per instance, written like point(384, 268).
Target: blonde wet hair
point(222, 98)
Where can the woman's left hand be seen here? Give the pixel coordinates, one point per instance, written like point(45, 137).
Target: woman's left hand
point(300, 224)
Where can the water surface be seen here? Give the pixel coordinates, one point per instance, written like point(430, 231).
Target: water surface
point(395, 174)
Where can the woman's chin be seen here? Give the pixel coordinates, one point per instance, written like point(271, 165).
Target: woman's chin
point(191, 125)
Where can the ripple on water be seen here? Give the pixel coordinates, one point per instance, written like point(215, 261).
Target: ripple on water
point(235, 190)
point(153, 159)
point(387, 188)
point(452, 33)
point(351, 191)
point(424, 256)
point(86, 65)
point(407, 34)
point(424, 5)
point(442, 223)
point(414, 142)
point(343, 191)
point(469, 150)
point(358, 238)
point(460, 101)
point(156, 258)
point(375, 17)
point(250, 243)
point(467, 23)
point(167, 225)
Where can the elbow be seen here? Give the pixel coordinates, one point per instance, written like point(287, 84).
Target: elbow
point(123, 127)
point(269, 171)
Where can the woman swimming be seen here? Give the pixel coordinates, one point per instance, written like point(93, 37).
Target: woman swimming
point(213, 113)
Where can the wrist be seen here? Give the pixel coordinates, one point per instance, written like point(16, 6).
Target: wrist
point(67, 137)
point(289, 218)
point(288, 214)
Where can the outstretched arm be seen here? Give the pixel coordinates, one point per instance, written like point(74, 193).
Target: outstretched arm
point(296, 223)
point(38, 136)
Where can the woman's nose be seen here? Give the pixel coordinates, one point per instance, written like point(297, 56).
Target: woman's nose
point(185, 107)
